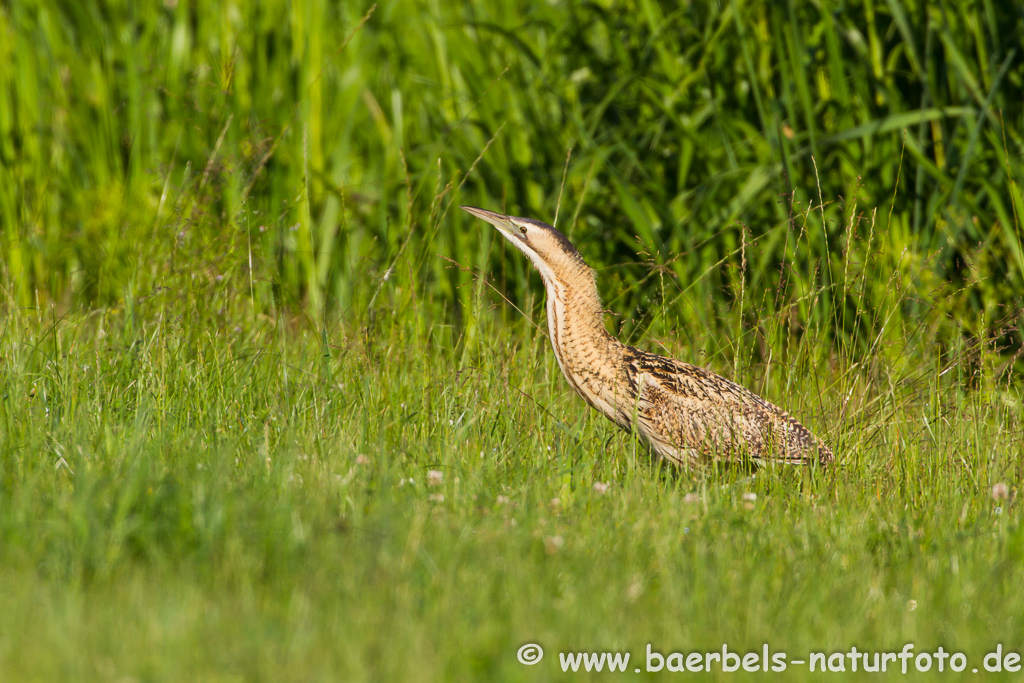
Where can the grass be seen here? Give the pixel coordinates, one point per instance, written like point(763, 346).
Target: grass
point(200, 502)
point(266, 412)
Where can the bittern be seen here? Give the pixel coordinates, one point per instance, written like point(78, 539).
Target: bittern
point(688, 415)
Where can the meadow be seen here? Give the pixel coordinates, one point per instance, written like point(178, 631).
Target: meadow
point(273, 408)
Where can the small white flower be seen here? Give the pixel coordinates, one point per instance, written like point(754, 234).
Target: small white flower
point(435, 477)
point(911, 605)
point(553, 544)
point(601, 488)
point(501, 500)
point(1000, 491)
point(691, 498)
point(362, 459)
point(750, 497)
point(437, 497)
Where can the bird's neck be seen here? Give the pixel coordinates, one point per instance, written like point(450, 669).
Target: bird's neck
point(586, 353)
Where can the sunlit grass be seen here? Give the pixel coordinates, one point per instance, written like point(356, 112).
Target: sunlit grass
point(223, 499)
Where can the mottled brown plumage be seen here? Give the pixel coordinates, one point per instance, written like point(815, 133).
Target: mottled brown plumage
point(688, 415)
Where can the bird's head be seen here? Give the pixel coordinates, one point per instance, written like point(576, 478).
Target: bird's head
point(549, 250)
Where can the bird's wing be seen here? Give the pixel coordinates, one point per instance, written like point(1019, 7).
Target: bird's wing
point(684, 406)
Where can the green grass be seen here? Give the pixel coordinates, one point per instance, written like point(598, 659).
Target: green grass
point(243, 328)
point(193, 501)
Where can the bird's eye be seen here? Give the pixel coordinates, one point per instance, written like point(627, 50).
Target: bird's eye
point(522, 229)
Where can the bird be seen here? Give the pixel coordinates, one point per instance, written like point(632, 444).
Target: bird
point(688, 415)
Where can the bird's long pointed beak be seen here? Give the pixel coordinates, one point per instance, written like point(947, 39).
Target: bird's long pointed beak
point(499, 221)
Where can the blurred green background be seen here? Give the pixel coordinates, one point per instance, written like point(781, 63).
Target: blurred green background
point(299, 150)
